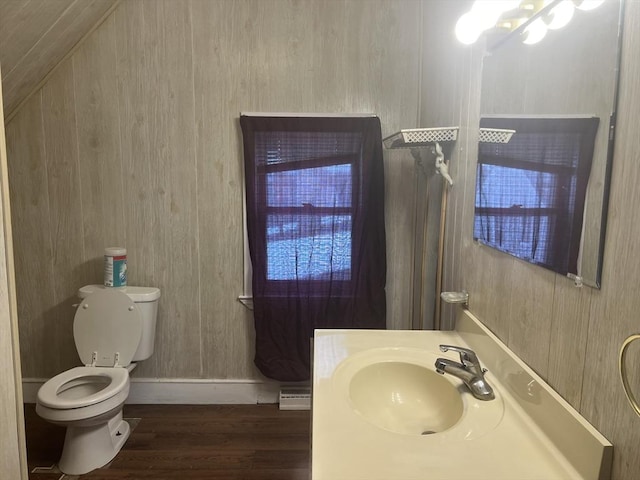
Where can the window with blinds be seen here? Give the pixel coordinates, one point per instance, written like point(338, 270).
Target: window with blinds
point(305, 185)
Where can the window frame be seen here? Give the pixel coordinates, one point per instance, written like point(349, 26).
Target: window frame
point(246, 298)
point(278, 286)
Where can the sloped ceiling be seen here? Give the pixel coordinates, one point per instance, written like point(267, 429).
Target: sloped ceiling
point(35, 35)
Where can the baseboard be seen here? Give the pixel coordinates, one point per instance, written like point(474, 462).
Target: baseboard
point(184, 391)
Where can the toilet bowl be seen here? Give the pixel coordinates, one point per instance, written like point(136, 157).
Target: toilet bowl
point(112, 327)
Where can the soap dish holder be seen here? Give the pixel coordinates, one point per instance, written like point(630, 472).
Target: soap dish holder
point(455, 297)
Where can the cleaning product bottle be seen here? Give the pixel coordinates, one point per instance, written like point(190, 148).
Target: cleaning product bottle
point(115, 267)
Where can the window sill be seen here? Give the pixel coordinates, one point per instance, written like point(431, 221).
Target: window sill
point(246, 300)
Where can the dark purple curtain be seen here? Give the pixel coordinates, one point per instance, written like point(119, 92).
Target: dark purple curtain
point(530, 192)
point(315, 221)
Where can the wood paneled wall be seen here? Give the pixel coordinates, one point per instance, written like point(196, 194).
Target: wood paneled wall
point(35, 35)
point(570, 336)
point(135, 141)
point(13, 460)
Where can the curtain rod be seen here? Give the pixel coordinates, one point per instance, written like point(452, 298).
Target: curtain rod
point(305, 114)
point(537, 115)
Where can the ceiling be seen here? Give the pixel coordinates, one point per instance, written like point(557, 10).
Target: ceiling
point(36, 35)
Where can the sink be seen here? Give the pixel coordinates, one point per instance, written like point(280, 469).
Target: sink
point(397, 391)
point(381, 411)
point(405, 398)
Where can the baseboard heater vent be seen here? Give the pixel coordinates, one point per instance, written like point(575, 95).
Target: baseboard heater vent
point(298, 398)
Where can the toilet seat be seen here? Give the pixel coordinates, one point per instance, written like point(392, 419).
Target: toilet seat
point(49, 394)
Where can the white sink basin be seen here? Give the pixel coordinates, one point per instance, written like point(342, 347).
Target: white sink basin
point(405, 398)
point(397, 391)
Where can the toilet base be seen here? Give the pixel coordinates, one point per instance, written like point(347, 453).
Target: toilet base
point(90, 447)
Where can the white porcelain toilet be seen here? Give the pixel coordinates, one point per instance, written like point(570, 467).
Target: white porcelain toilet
point(112, 328)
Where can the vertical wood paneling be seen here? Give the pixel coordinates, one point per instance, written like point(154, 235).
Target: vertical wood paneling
point(136, 100)
point(274, 53)
point(568, 340)
point(99, 151)
point(614, 310)
point(401, 175)
point(65, 210)
point(530, 314)
point(155, 87)
point(31, 230)
point(220, 45)
point(173, 179)
point(12, 443)
point(488, 276)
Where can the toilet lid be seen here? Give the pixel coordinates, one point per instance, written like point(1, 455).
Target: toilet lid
point(107, 322)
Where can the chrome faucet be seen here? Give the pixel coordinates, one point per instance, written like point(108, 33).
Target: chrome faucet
point(468, 370)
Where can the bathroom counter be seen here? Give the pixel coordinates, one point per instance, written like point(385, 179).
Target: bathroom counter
point(527, 432)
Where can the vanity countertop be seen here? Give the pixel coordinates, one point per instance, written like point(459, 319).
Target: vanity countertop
point(527, 432)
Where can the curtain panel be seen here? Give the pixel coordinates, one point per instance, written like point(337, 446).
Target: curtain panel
point(316, 235)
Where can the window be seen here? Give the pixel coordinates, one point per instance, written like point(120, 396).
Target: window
point(530, 192)
point(315, 230)
point(306, 190)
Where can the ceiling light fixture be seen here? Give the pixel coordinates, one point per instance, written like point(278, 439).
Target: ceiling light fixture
point(529, 18)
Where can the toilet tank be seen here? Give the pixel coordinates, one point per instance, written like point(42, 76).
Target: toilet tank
point(146, 300)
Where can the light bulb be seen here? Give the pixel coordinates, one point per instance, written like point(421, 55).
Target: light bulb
point(534, 32)
point(589, 4)
point(468, 29)
point(559, 15)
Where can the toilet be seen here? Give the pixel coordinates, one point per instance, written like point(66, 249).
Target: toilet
point(112, 328)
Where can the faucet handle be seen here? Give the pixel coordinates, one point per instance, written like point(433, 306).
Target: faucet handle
point(467, 357)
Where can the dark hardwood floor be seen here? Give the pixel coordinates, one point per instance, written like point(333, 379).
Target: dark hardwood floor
point(231, 442)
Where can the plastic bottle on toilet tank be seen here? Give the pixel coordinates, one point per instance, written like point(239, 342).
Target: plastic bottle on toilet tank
point(115, 267)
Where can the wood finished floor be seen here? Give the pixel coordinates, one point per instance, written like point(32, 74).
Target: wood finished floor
point(231, 442)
